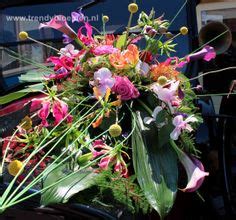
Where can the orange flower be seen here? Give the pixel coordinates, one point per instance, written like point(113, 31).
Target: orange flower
point(126, 59)
point(163, 69)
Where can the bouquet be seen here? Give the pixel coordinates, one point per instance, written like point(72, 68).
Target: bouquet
point(110, 123)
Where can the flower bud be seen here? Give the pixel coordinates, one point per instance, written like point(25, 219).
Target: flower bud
point(162, 30)
point(133, 8)
point(115, 130)
point(105, 18)
point(23, 35)
point(14, 167)
point(83, 159)
point(169, 35)
point(184, 30)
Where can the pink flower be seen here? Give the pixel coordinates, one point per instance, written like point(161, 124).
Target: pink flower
point(69, 51)
point(181, 124)
point(59, 110)
point(86, 39)
point(59, 23)
point(194, 169)
point(125, 88)
point(195, 172)
point(60, 74)
point(207, 53)
point(121, 167)
point(44, 113)
point(167, 94)
point(59, 62)
point(104, 49)
point(112, 158)
point(103, 80)
point(104, 162)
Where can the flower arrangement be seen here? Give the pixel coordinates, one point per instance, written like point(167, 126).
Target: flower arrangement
point(111, 119)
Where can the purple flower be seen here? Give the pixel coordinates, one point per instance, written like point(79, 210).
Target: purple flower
point(125, 88)
point(181, 124)
point(207, 53)
point(60, 74)
point(66, 39)
point(77, 16)
point(167, 95)
point(103, 80)
point(194, 169)
point(104, 49)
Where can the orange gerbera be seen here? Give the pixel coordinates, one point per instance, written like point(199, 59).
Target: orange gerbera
point(126, 59)
point(163, 69)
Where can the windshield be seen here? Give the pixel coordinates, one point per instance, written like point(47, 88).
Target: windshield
point(28, 17)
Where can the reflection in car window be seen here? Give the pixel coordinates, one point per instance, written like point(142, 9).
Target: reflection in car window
point(27, 18)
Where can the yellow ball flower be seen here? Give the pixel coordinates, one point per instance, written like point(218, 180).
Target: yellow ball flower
point(23, 35)
point(14, 167)
point(105, 18)
point(162, 80)
point(184, 30)
point(133, 8)
point(115, 130)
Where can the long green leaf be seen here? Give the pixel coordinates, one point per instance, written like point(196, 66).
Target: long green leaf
point(155, 167)
point(64, 190)
point(21, 93)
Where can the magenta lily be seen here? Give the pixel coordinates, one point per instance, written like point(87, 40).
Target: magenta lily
point(43, 113)
point(58, 108)
point(194, 169)
point(86, 39)
point(59, 23)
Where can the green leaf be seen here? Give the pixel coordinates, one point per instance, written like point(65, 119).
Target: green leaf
point(164, 133)
point(61, 192)
point(34, 76)
point(121, 41)
point(155, 167)
point(11, 97)
point(21, 93)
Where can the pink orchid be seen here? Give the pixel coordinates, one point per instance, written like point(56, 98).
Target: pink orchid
point(104, 49)
point(181, 124)
point(59, 110)
point(69, 51)
point(86, 39)
point(167, 94)
point(103, 80)
point(59, 23)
